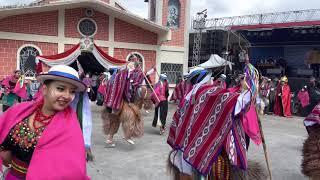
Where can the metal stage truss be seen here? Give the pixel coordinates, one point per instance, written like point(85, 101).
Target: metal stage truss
point(256, 19)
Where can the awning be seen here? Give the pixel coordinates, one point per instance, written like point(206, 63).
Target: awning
point(277, 25)
point(68, 57)
point(216, 61)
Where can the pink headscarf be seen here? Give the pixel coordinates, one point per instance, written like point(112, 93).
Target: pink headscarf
point(60, 152)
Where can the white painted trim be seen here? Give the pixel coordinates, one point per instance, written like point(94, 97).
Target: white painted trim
point(61, 26)
point(172, 48)
point(158, 62)
point(159, 13)
point(61, 22)
point(30, 37)
point(135, 46)
point(19, 50)
point(111, 35)
point(111, 28)
point(111, 51)
point(112, 3)
point(186, 35)
point(60, 48)
point(87, 18)
point(56, 40)
point(143, 61)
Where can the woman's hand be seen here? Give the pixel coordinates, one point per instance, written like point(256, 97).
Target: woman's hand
point(6, 157)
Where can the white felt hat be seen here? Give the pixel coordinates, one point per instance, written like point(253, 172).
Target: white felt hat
point(63, 73)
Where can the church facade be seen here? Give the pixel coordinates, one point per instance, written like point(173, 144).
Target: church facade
point(51, 27)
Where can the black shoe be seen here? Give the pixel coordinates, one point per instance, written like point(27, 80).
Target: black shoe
point(154, 125)
point(89, 155)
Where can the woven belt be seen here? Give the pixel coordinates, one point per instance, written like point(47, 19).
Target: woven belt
point(19, 168)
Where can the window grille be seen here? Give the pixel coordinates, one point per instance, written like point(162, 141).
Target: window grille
point(87, 27)
point(173, 71)
point(136, 57)
point(27, 61)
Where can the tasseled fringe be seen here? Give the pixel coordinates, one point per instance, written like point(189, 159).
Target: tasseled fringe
point(221, 170)
point(132, 122)
point(311, 155)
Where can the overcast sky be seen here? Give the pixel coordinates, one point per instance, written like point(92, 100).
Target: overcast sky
point(224, 8)
point(218, 8)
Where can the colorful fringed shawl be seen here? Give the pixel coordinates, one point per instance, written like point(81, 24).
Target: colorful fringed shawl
point(314, 116)
point(182, 89)
point(115, 90)
point(201, 130)
point(136, 78)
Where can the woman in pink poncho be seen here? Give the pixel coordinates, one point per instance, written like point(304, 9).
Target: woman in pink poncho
point(42, 139)
point(160, 99)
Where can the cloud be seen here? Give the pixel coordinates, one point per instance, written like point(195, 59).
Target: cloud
point(138, 7)
point(12, 2)
point(223, 8)
point(216, 8)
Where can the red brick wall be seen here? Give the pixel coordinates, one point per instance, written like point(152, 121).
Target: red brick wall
point(72, 17)
point(9, 50)
point(69, 46)
point(125, 32)
point(44, 23)
point(177, 34)
point(149, 57)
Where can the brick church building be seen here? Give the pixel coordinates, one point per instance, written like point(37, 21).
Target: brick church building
point(53, 29)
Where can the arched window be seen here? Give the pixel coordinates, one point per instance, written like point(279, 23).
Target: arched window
point(26, 59)
point(135, 56)
point(174, 8)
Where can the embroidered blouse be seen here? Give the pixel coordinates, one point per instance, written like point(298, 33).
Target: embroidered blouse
point(21, 141)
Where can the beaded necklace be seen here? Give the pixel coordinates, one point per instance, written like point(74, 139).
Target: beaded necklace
point(26, 138)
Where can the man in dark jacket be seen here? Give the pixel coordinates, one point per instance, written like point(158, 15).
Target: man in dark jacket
point(272, 95)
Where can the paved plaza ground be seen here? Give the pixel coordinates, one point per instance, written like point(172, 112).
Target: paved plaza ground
point(146, 160)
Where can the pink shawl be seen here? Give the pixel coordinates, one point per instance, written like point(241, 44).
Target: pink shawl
point(5, 81)
point(60, 152)
point(303, 97)
point(102, 88)
point(160, 92)
point(21, 91)
point(251, 125)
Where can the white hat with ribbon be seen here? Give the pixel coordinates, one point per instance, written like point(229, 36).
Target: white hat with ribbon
point(63, 73)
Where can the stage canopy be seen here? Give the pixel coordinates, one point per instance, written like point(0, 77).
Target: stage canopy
point(216, 61)
point(283, 36)
point(70, 56)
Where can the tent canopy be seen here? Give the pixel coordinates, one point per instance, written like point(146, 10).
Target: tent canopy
point(70, 56)
point(216, 61)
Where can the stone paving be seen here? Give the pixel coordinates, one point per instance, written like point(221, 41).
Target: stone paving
point(146, 160)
